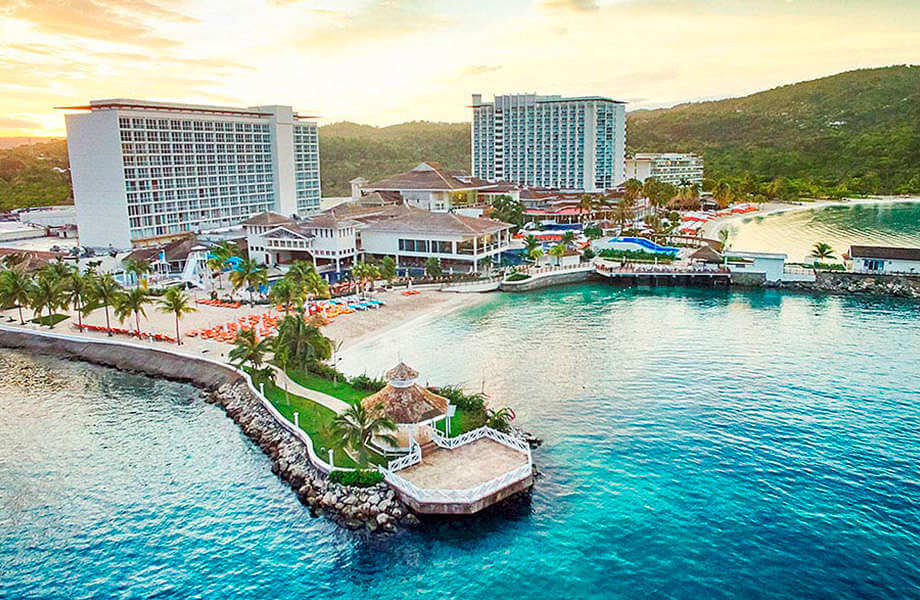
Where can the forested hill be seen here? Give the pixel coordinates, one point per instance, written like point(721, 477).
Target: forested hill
point(856, 132)
point(349, 150)
point(853, 133)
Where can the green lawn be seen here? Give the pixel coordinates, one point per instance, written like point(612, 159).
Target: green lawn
point(316, 421)
point(342, 390)
point(461, 422)
point(55, 319)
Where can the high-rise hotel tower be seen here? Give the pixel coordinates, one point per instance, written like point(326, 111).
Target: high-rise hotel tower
point(550, 141)
point(147, 171)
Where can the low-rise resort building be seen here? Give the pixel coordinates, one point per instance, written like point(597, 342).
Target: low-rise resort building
point(885, 259)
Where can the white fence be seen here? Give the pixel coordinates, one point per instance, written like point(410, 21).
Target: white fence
point(297, 432)
point(468, 495)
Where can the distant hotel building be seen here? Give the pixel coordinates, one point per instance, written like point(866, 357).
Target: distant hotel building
point(678, 169)
point(148, 171)
point(550, 141)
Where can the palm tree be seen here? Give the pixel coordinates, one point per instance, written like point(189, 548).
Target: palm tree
point(175, 301)
point(500, 420)
point(357, 429)
point(558, 251)
point(823, 251)
point(624, 213)
point(632, 189)
point(585, 205)
point(106, 290)
point(47, 294)
point(218, 256)
point(248, 274)
point(304, 342)
point(286, 293)
point(281, 357)
point(365, 272)
point(15, 286)
point(132, 302)
point(136, 266)
point(79, 291)
point(535, 254)
point(724, 237)
point(249, 349)
point(531, 243)
point(568, 238)
point(723, 194)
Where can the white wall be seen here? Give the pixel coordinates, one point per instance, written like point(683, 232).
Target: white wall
point(891, 266)
point(97, 172)
point(282, 128)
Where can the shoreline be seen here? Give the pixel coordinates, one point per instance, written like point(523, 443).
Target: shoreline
point(710, 229)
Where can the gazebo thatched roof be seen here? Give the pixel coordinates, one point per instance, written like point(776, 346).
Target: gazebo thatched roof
point(401, 372)
point(406, 405)
point(706, 254)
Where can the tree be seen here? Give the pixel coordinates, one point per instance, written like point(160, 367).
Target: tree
point(79, 291)
point(593, 232)
point(433, 267)
point(248, 349)
point(356, 429)
point(507, 209)
point(725, 236)
point(632, 189)
point(823, 251)
point(365, 272)
point(557, 252)
point(303, 342)
point(132, 302)
point(286, 292)
point(388, 268)
point(531, 243)
point(500, 420)
point(176, 302)
point(47, 293)
point(568, 238)
point(281, 357)
point(106, 290)
point(585, 206)
point(624, 213)
point(219, 256)
point(15, 286)
point(248, 274)
point(535, 254)
point(723, 193)
point(309, 283)
point(136, 266)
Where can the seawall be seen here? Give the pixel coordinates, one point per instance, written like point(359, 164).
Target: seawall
point(545, 280)
point(288, 447)
point(858, 284)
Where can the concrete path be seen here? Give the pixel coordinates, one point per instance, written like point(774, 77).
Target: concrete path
point(332, 403)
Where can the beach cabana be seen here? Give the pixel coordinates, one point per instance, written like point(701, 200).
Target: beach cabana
point(413, 408)
point(705, 254)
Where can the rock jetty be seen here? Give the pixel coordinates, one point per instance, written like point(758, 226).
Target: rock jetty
point(372, 508)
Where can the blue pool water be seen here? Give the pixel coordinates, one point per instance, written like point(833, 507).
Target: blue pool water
point(699, 444)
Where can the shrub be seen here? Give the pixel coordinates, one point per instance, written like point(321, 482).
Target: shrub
point(356, 478)
point(325, 371)
point(829, 266)
point(635, 255)
point(517, 277)
point(588, 254)
point(368, 384)
point(473, 402)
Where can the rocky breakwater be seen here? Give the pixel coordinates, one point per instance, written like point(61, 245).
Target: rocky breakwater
point(894, 286)
point(372, 508)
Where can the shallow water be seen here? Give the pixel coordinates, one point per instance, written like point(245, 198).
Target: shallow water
point(796, 232)
point(698, 444)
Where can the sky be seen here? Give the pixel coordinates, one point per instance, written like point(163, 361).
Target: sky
point(387, 61)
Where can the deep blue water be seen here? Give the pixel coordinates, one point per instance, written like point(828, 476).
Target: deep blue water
point(699, 444)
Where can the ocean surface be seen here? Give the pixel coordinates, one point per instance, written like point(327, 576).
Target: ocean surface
point(698, 444)
point(796, 232)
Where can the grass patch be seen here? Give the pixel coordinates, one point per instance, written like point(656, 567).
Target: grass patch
point(517, 277)
point(463, 420)
point(54, 320)
point(356, 478)
point(316, 421)
point(342, 390)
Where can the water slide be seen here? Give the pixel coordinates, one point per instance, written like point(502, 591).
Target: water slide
point(639, 244)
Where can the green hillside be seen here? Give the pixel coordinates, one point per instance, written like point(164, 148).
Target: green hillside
point(349, 150)
point(856, 132)
point(853, 133)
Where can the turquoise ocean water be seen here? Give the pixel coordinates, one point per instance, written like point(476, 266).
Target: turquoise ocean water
point(698, 444)
point(796, 232)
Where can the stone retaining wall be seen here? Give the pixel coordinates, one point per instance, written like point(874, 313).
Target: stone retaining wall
point(548, 280)
point(830, 282)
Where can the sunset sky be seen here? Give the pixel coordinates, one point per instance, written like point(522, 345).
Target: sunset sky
point(388, 61)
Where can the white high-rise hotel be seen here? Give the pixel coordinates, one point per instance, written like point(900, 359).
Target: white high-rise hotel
point(550, 141)
point(146, 171)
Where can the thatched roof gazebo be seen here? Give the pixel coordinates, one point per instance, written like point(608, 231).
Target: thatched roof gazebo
point(705, 254)
point(404, 401)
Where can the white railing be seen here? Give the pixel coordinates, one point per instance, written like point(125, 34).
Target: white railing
point(297, 432)
point(467, 495)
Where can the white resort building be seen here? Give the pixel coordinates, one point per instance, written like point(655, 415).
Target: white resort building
point(884, 259)
point(673, 168)
point(550, 141)
point(144, 172)
point(335, 239)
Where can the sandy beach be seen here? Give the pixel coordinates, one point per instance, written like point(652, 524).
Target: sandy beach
point(711, 228)
point(351, 329)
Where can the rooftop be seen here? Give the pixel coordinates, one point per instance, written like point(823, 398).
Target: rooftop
point(430, 176)
point(885, 252)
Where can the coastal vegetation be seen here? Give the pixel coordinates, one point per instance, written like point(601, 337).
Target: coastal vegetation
point(635, 256)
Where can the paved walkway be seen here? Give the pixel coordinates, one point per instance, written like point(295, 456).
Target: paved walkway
point(332, 403)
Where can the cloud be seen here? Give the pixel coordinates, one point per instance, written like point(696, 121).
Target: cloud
point(572, 5)
point(473, 70)
point(128, 21)
point(14, 123)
